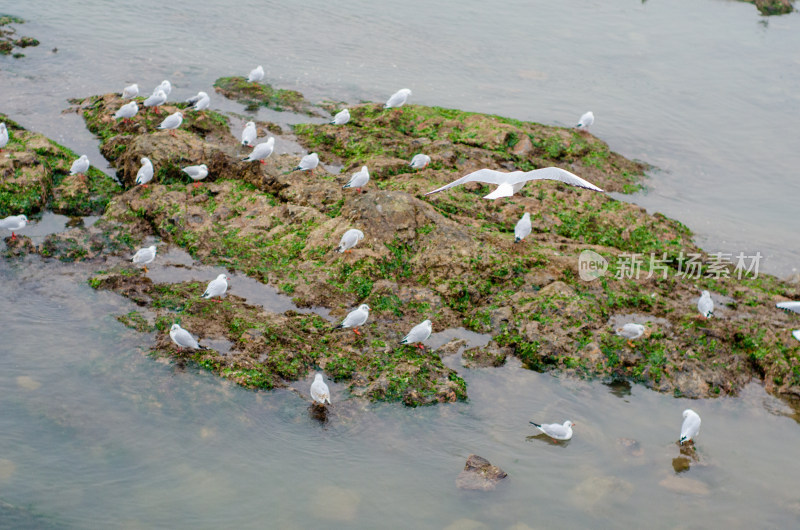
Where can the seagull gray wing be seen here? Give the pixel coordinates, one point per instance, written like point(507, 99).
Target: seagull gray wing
point(488, 176)
point(184, 339)
point(548, 173)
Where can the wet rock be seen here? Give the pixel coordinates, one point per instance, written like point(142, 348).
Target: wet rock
point(773, 7)
point(685, 486)
point(479, 474)
point(597, 492)
point(8, 38)
point(630, 447)
point(492, 355)
point(255, 95)
point(26, 382)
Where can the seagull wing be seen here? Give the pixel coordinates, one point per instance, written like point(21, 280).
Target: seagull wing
point(488, 176)
point(549, 173)
point(185, 339)
point(417, 334)
point(789, 306)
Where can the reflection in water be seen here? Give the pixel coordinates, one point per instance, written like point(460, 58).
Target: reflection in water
point(619, 387)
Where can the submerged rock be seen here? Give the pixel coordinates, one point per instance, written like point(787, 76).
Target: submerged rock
point(254, 95)
point(479, 474)
point(9, 39)
point(773, 7)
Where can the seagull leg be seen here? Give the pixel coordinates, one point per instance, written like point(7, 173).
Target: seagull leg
point(196, 185)
point(263, 162)
point(13, 236)
point(145, 269)
point(172, 133)
point(355, 330)
point(630, 344)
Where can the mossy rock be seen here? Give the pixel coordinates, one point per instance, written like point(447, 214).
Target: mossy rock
point(254, 95)
point(773, 7)
point(8, 39)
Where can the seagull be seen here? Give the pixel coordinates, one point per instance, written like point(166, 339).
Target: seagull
point(319, 391)
point(165, 86)
point(14, 222)
point(419, 334)
point(130, 91)
point(145, 173)
point(398, 99)
point(3, 136)
point(631, 332)
point(196, 173)
point(159, 98)
point(690, 427)
point(586, 120)
point(172, 122)
point(200, 101)
point(358, 180)
point(511, 183)
point(256, 75)
point(341, 117)
point(355, 318)
point(308, 163)
point(556, 431)
point(796, 334)
point(350, 239)
point(127, 111)
point(217, 287)
point(705, 305)
point(420, 161)
point(522, 228)
point(261, 151)
point(249, 134)
point(183, 338)
point(144, 256)
point(80, 166)
point(789, 306)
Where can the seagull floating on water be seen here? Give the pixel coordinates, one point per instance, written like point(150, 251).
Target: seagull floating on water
point(355, 318)
point(159, 98)
point(80, 166)
point(420, 161)
point(556, 431)
point(705, 305)
point(631, 331)
point(690, 427)
point(183, 338)
point(200, 101)
point(256, 75)
point(789, 306)
point(350, 239)
point(341, 117)
point(14, 222)
point(358, 180)
point(130, 91)
point(3, 136)
point(319, 391)
point(398, 99)
point(127, 111)
point(172, 122)
point(217, 287)
point(196, 173)
point(419, 334)
point(249, 134)
point(510, 183)
point(308, 163)
point(144, 256)
point(145, 173)
point(586, 120)
point(261, 151)
point(522, 228)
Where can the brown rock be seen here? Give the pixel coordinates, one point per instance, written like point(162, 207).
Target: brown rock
point(479, 474)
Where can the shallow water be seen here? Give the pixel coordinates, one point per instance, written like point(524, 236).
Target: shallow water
point(94, 433)
point(702, 89)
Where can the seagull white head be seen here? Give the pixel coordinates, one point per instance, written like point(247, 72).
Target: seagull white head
point(175, 327)
point(318, 377)
point(363, 307)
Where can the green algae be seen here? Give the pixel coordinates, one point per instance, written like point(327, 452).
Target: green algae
point(254, 95)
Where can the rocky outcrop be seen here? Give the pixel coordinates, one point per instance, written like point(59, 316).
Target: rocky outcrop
point(9, 38)
point(479, 474)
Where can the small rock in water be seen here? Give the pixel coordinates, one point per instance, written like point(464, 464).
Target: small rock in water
point(479, 474)
point(600, 491)
point(629, 446)
point(686, 486)
point(28, 383)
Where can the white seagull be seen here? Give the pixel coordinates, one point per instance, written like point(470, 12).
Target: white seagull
point(308, 163)
point(172, 122)
point(319, 391)
point(130, 91)
point(705, 305)
point(127, 111)
point(586, 120)
point(420, 161)
point(200, 101)
point(341, 117)
point(3, 136)
point(789, 306)
point(419, 334)
point(80, 166)
point(556, 431)
point(165, 87)
point(796, 334)
point(355, 318)
point(249, 134)
point(217, 287)
point(145, 173)
point(261, 151)
point(183, 338)
point(144, 256)
point(196, 173)
point(631, 331)
point(522, 228)
point(350, 239)
point(159, 98)
point(256, 75)
point(690, 427)
point(358, 180)
point(398, 99)
point(14, 222)
point(510, 183)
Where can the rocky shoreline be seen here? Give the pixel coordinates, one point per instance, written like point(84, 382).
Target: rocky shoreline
point(449, 257)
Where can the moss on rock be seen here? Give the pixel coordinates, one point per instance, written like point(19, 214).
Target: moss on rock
point(8, 38)
point(254, 95)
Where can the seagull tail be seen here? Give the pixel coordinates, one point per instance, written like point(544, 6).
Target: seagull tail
point(338, 327)
point(535, 424)
point(683, 439)
point(503, 190)
point(517, 240)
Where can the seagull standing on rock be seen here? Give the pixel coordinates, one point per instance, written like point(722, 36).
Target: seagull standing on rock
point(159, 98)
point(690, 427)
point(420, 161)
point(350, 239)
point(556, 431)
point(14, 222)
point(705, 305)
point(3, 136)
point(586, 120)
point(199, 102)
point(355, 318)
point(319, 391)
point(172, 122)
point(256, 75)
point(217, 287)
point(165, 87)
point(127, 111)
point(130, 91)
point(145, 173)
point(631, 331)
point(510, 183)
point(249, 134)
point(419, 334)
point(144, 256)
point(358, 180)
point(182, 338)
point(341, 117)
point(196, 173)
point(522, 228)
point(398, 99)
point(308, 163)
point(261, 151)
point(80, 166)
